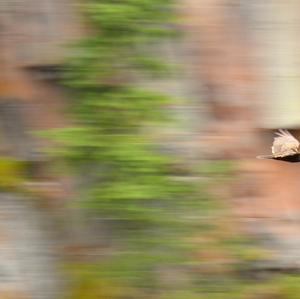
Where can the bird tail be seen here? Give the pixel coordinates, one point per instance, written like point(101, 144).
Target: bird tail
point(265, 157)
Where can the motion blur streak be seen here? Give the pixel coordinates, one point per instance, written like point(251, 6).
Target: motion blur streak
point(129, 132)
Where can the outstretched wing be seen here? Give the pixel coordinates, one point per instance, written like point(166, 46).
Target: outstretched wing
point(264, 157)
point(284, 144)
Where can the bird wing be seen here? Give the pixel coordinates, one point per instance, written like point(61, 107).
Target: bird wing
point(284, 144)
point(263, 157)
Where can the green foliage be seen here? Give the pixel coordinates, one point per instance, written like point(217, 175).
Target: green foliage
point(12, 173)
point(124, 178)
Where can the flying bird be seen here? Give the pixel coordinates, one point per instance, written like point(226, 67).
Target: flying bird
point(285, 147)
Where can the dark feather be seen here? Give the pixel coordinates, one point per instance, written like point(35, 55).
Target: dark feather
point(292, 158)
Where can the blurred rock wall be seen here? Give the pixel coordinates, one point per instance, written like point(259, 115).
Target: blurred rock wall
point(248, 54)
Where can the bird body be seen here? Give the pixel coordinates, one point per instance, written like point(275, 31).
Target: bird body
point(285, 148)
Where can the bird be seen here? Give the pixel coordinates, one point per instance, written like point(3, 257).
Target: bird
point(285, 148)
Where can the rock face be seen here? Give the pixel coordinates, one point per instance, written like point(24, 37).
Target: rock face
point(34, 31)
point(248, 70)
point(28, 257)
point(32, 36)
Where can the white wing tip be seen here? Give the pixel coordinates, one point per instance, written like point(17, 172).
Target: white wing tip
point(282, 132)
point(262, 157)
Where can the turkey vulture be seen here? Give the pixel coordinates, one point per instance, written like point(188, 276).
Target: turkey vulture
point(285, 148)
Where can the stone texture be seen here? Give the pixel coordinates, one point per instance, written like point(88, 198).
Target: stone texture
point(28, 254)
